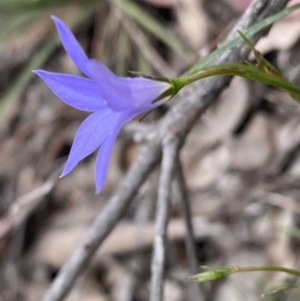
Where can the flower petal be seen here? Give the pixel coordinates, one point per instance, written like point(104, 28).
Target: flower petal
point(71, 45)
point(90, 135)
point(76, 91)
point(125, 93)
point(144, 91)
point(102, 162)
point(104, 154)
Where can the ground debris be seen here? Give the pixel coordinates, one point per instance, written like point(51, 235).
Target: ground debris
point(241, 162)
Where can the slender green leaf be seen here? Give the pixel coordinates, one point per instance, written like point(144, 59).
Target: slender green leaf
point(249, 33)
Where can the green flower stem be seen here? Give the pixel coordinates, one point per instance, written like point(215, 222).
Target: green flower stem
point(246, 71)
point(266, 269)
point(214, 273)
point(223, 70)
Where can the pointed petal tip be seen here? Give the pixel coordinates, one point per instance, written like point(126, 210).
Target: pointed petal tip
point(99, 188)
point(39, 72)
point(36, 72)
point(63, 174)
point(56, 19)
point(67, 169)
point(71, 45)
point(57, 22)
point(76, 91)
point(97, 192)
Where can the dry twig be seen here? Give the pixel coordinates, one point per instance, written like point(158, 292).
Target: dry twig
point(162, 218)
point(22, 208)
point(190, 236)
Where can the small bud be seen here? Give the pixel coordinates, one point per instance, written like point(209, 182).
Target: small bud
point(213, 273)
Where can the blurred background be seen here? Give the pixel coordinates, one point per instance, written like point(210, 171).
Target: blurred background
point(241, 160)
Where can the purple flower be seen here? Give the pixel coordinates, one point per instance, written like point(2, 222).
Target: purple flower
point(113, 101)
